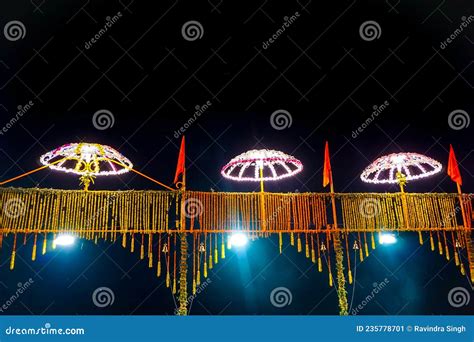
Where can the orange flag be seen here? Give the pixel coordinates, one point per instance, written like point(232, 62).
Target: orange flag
point(453, 168)
point(327, 172)
point(181, 160)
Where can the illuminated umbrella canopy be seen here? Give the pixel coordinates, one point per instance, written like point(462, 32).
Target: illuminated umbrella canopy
point(399, 168)
point(88, 160)
point(261, 165)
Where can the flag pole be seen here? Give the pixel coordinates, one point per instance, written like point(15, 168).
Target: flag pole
point(262, 200)
point(341, 279)
point(183, 264)
point(461, 203)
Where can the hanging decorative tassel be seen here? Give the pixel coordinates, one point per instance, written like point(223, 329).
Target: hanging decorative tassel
point(299, 246)
point(222, 248)
point(210, 252)
point(124, 240)
point(420, 238)
point(307, 249)
point(463, 271)
point(150, 251)
point(158, 267)
point(132, 243)
point(142, 248)
point(313, 252)
point(320, 264)
point(280, 242)
point(432, 242)
point(446, 246)
point(54, 242)
point(361, 252)
point(440, 245)
point(457, 245)
point(33, 253)
point(12, 260)
point(45, 241)
point(349, 272)
point(292, 239)
point(372, 239)
point(167, 251)
point(168, 278)
point(330, 279)
point(174, 265)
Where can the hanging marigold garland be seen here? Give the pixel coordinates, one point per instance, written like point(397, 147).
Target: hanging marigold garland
point(138, 215)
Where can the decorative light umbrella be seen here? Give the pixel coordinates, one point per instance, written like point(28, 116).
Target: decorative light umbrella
point(88, 160)
point(400, 168)
point(261, 166)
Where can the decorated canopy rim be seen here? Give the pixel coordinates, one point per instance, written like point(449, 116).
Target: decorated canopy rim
point(275, 165)
point(89, 159)
point(411, 165)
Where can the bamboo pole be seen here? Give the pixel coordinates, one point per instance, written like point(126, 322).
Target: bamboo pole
point(262, 201)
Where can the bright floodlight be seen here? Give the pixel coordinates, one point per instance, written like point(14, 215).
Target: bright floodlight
point(411, 165)
point(64, 240)
point(238, 240)
point(387, 239)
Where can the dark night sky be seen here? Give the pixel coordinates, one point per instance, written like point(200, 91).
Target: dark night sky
point(151, 79)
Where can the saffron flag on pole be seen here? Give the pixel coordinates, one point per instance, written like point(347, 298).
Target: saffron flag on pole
point(327, 172)
point(453, 168)
point(181, 161)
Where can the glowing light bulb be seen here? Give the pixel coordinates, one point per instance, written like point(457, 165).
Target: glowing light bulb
point(387, 239)
point(238, 240)
point(64, 240)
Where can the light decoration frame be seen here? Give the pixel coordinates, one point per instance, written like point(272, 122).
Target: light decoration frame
point(412, 166)
point(240, 167)
point(88, 158)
